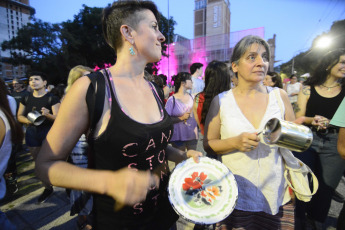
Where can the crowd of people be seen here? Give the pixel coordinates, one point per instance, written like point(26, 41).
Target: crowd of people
point(124, 124)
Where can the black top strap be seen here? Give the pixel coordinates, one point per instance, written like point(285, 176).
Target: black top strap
point(95, 98)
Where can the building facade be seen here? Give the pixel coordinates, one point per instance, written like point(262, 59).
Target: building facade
point(13, 16)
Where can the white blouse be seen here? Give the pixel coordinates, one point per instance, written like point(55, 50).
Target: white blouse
point(259, 173)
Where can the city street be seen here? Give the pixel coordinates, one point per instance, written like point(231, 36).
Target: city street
point(23, 211)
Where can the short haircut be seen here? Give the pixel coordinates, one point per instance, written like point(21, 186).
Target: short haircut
point(121, 13)
point(194, 67)
point(37, 73)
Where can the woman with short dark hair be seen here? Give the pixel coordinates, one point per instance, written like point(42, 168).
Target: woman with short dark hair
point(130, 141)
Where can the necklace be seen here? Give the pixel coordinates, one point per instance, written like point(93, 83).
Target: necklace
point(329, 88)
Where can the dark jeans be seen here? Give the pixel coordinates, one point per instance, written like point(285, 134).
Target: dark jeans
point(35, 135)
point(324, 160)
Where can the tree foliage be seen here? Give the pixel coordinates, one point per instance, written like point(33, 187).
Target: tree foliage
point(56, 48)
point(305, 62)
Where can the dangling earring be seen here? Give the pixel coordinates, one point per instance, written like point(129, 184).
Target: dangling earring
point(131, 51)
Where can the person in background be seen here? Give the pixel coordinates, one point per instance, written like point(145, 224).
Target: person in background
point(293, 88)
point(50, 88)
point(159, 82)
point(196, 70)
point(317, 102)
point(217, 80)
point(81, 202)
point(179, 107)
point(46, 104)
point(11, 170)
point(130, 141)
point(58, 91)
point(19, 91)
point(166, 88)
point(148, 76)
point(231, 130)
point(273, 79)
point(338, 120)
point(10, 133)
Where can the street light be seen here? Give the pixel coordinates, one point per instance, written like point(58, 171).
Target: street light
point(322, 43)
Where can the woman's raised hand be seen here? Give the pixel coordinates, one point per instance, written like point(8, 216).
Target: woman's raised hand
point(246, 142)
point(128, 186)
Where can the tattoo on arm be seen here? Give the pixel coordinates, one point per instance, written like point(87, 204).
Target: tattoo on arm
point(306, 90)
point(296, 108)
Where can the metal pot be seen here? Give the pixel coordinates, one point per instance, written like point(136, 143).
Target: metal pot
point(287, 135)
point(36, 118)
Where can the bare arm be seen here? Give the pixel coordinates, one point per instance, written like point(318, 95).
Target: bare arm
point(20, 115)
point(341, 142)
point(289, 114)
point(51, 116)
point(177, 155)
point(302, 101)
point(125, 185)
point(195, 112)
point(212, 138)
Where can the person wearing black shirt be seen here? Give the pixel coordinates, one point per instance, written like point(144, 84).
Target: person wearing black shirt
point(48, 105)
point(19, 92)
point(130, 142)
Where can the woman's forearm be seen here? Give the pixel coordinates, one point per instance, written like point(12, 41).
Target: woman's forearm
point(23, 119)
point(220, 146)
point(175, 155)
point(63, 174)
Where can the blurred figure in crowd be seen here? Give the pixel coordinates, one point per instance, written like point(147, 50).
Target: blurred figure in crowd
point(179, 107)
point(196, 70)
point(273, 79)
point(293, 88)
point(217, 80)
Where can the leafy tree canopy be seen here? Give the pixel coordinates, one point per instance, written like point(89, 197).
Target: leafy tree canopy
point(56, 48)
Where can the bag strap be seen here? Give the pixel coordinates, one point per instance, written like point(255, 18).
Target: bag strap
point(95, 98)
point(280, 104)
point(173, 102)
point(298, 191)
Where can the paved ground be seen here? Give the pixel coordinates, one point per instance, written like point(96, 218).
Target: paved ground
point(23, 211)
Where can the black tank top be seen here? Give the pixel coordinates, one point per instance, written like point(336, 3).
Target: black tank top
point(128, 143)
point(323, 106)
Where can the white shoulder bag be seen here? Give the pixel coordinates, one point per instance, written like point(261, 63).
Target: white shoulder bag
point(296, 172)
